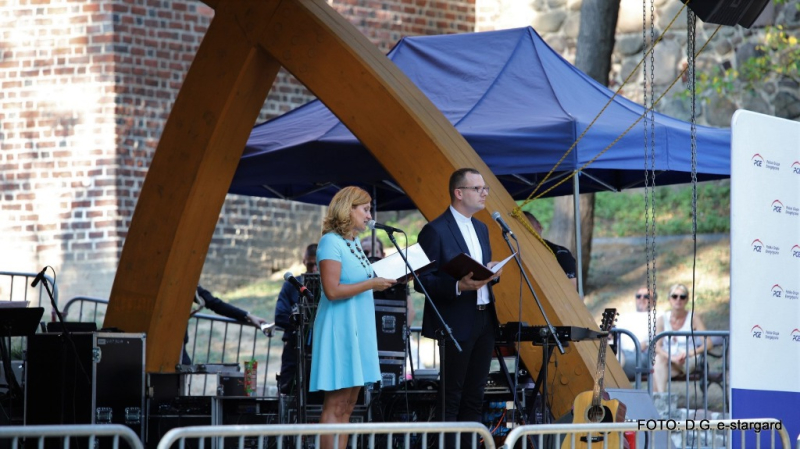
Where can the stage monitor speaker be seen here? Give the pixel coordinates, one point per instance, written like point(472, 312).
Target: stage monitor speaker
point(728, 12)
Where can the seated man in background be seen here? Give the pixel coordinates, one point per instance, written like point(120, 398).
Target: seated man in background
point(638, 324)
point(285, 309)
point(563, 256)
point(206, 300)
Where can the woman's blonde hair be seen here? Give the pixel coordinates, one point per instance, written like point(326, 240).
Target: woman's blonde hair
point(678, 286)
point(337, 219)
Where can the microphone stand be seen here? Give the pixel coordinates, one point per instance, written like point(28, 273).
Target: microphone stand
point(546, 333)
point(301, 319)
point(441, 333)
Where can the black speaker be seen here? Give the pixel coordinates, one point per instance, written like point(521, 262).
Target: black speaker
point(728, 12)
point(92, 378)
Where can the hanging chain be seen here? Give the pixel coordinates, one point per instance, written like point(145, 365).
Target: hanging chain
point(650, 180)
point(691, 25)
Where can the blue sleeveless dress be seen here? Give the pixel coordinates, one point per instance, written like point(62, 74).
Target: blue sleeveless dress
point(345, 343)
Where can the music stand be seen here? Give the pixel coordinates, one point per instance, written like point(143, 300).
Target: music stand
point(20, 321)
point(16, 322)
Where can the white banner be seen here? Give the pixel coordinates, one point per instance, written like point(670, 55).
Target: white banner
point(765, 268)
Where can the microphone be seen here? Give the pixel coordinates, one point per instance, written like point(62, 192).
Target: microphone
point(499, 219)
point(372, 224)
point(38, 277)
point(288, 277)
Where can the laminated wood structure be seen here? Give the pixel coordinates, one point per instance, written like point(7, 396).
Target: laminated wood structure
point(246, 44)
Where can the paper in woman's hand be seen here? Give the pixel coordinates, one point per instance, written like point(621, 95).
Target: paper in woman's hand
point(393, 266)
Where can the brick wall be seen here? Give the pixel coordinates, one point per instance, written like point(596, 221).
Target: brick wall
point(57, 135)
point(87, 86)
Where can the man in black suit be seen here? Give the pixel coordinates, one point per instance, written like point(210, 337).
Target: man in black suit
point(467, 305)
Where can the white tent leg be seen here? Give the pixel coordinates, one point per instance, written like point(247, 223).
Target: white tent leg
point(576, 199)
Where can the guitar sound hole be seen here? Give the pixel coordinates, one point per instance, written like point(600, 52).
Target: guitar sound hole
point(598, 413)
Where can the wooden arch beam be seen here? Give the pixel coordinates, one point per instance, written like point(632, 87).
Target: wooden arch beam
point(209, 125)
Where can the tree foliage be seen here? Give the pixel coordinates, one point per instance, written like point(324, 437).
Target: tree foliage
point(777, 57)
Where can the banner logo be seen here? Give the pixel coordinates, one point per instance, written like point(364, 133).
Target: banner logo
point(758, 245)
point(759, 161)
point(757, 331)
point(777, 206)
point(796, 168)
point(796, 251)
point(796, 335)
point(777, 291)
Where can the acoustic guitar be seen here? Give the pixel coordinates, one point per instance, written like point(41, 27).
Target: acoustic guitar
point(595, 406)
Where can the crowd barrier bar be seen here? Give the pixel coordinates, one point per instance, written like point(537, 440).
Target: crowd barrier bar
point(371, 430)
point(42, 299)
point(708, 335)
point(237, 341)
point(521, 433)
point(65, 432)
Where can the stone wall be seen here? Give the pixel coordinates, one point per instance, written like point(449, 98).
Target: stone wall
point(87, 86)
point(557, 21)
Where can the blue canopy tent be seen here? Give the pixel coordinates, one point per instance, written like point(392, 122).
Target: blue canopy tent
point(515, 100)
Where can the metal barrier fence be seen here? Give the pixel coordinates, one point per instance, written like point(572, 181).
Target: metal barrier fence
point(667, 434)
point(38, 434)
point(722, 343)
point(701, 376)
point(16, 286)
point(366, 435)
point(213, 340)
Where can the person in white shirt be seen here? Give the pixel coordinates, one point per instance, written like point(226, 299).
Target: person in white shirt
point(466, 304)
point(683, 352)
point(637, 323)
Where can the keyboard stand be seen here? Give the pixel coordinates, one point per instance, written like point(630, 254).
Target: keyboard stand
point(541, 379)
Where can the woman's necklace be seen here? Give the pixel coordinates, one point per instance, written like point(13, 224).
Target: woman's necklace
point(362, 258)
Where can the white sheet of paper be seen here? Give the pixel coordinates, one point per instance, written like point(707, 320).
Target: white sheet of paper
point(393, 267)
point(500, 264)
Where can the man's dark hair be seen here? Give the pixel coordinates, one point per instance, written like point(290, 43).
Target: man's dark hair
point(530, 216)
point(457, 178)
point(310, 250)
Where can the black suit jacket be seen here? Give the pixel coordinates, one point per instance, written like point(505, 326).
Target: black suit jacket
point(441, 240)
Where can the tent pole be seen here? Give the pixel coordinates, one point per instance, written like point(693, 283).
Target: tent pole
point(576, 193)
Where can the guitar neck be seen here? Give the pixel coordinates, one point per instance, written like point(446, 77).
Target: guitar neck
point(600, 373)
point(608, 323)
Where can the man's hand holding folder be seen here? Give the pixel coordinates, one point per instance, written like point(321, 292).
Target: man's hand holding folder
point(463, 264)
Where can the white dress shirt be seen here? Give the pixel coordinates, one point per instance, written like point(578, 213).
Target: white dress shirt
point(474, 245)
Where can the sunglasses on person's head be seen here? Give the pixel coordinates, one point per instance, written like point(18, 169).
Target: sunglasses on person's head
point(642, 296)
point(676, 296)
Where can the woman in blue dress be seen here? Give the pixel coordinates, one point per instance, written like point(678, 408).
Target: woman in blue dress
point(345, 343)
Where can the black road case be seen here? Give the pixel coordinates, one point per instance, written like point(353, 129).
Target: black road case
point(97, 380)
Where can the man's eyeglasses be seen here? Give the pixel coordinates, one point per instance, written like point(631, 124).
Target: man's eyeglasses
point(477, 189)
point(641, 296)
point(675, 296)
